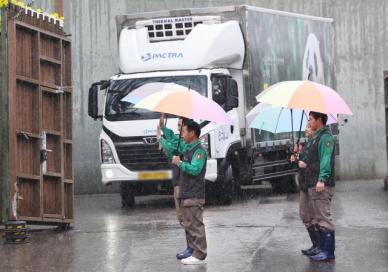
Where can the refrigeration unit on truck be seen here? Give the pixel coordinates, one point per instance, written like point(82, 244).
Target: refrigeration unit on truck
point(229, 54)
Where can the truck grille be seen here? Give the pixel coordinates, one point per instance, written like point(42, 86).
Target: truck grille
point(139, 153)
point(138, 157)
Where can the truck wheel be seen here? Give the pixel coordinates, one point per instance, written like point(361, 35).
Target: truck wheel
point(290, 184)
point(225, 187)
point(284, 185)
point(127, 194)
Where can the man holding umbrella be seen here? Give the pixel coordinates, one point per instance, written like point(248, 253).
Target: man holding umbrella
point(305, 202)
point(192, 191)
point(190, 104)
point(319, 172)
point(320, 178)
point(173, 145)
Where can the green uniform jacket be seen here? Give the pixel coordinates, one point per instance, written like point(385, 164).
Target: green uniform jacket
point(170, 143)
point(325, 156)
point(193, 170)
point(198, 160)
point(326, 147)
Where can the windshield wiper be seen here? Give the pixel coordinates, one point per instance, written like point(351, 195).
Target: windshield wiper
point(131, 111)
point(114, 91)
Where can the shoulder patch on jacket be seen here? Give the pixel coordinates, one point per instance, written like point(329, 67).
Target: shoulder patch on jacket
point(328, 144)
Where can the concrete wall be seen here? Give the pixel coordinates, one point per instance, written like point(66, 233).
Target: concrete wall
point(360, 29)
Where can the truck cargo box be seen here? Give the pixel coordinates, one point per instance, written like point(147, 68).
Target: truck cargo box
point(279, 46)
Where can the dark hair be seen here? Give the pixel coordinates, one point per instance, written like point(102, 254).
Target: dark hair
point(193, 126)
point(319, 115)
point(184, 120)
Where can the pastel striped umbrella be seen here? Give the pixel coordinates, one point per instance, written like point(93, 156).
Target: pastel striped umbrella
point(304, 95)
point(278, 119)
point(186, 103)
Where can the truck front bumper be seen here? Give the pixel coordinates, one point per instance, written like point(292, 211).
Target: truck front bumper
point(117, 172)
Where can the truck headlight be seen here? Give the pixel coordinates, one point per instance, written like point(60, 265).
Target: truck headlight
point(205, 140)
point(106, 153)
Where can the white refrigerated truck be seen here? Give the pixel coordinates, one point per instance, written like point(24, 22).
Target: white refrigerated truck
point(229, 54)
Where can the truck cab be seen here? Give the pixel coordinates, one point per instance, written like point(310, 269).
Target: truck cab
point(129, 149)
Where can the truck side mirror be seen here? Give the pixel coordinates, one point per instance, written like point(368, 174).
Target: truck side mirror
point(231, 94)
point(93, 102)
point(93, 99)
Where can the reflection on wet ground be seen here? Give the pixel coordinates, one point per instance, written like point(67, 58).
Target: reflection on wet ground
point(261, 232)
point(321, 267)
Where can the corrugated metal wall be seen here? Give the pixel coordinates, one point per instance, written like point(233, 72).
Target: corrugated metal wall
point(360, 29)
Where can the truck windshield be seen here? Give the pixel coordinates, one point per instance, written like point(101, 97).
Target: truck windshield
point(117, 110)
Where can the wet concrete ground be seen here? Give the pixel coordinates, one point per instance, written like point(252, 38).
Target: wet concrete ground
point(258, 233)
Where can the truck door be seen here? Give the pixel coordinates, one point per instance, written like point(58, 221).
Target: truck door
point(224, 89)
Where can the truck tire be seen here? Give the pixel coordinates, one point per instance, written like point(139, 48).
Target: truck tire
point(127, 192)
point(284, 185)
point(225, 185)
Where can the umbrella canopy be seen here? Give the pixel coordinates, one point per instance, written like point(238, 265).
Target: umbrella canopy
point(186, 103)
point(304, 95)
point(150, 88)
point(278, 119)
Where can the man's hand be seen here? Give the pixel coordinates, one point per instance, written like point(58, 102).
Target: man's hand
point(298, 148)
point(161, 120)
point(320, 187)
point(176, 160)
point(302, 164)
point(293, 158)
point(158, 132)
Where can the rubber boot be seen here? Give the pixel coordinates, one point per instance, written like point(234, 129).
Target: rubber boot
point(315, 239)
point(327, 246)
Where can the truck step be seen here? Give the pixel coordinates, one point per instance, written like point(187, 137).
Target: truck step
point(274, 175)
point(256, 187)
point(270, 164)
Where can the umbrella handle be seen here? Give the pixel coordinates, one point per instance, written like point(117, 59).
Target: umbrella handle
point(292, 128)
point(300, 128)
point(179, 141)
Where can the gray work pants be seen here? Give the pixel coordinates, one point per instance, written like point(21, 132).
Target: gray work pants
point(306, 211)
point(321, 203)
point(194, 226)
